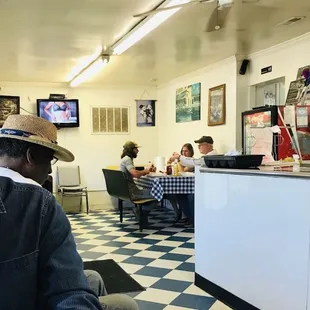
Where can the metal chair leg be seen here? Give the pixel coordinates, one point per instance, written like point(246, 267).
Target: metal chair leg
point(120, 208)
point(141, 218)
point(87, 206)
point(81, 203)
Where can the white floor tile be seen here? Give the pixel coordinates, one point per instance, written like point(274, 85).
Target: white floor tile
point(102, 224)
point(156, 237)
point(103, 249)
point(116, 257)
point(130, 268)
point(150, 254)
point(194, 290)
point(191, 260)
point(180, 275)
point(173, 244)
point(87, 259)
point(126, 239)
point(88, 236)
point(77, 226)
point(117, 233)
point(219, 306)
point(170, 307)
point(95, 242)
point(80, 251)
point(109, 228)
point(183, 251)
point(191, 240)
point(137, 246)
point(184, 234)
point(164, 263)
point(82, 231)
point(145, 281)
point(157, 296)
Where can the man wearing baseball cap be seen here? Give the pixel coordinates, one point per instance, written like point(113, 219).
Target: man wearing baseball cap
point(205, 145)
point(40, 267)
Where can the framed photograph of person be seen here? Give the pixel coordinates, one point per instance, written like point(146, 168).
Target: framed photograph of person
point(9, 105)
point(296, 92)
point(217, 105)
point(145, 113)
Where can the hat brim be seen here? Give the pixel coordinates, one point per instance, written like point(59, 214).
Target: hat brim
point(60, 153)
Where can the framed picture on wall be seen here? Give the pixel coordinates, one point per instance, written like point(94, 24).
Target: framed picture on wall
point(8, 105)
point(145, 113)
point(188, 101)
point(217, 105)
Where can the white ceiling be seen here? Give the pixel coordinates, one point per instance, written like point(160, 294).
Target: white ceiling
point(43, 40)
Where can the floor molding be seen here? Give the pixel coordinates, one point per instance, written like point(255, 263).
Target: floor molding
point(221, 294)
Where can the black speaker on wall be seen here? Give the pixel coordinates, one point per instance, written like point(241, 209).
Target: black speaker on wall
point(244, 66)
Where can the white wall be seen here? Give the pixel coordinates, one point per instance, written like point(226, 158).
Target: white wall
point(93, 152)
point(173, 135)
point(285, 59)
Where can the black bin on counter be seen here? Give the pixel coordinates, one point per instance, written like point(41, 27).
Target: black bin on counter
point(233, 162)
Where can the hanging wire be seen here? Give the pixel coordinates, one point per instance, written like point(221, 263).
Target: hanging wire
point(27, 111)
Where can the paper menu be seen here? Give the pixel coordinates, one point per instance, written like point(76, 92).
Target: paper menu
point(289, 115)
point(302, 117)
point(263, 144)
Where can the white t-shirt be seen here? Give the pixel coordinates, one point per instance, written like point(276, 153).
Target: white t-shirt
point(192, 162)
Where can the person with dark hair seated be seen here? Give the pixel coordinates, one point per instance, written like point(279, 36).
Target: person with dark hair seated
point(40, 267)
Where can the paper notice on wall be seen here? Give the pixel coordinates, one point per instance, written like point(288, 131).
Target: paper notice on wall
point(289, 115)
point(263, 138)
point(302, 117)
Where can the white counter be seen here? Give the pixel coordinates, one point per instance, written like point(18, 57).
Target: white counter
point(252, 237)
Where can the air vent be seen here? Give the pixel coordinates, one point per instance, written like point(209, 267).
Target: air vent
point(292, 20)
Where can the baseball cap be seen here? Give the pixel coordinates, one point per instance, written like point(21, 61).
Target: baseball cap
point(205, 139)
point(130, 145)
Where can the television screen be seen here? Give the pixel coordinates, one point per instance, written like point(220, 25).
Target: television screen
point(62, 113)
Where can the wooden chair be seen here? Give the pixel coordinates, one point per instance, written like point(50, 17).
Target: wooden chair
point(117, 186)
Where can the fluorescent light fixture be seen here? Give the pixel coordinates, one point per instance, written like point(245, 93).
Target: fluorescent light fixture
point(84, 63)
point(226, 2)
point(151, 23)
point(90, 71)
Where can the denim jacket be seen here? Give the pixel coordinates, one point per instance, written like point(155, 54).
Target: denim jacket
point(39, 265)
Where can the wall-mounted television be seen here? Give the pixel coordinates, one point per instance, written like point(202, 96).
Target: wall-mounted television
point(62, 113)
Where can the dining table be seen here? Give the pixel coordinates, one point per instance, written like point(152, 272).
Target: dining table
point(162, 184)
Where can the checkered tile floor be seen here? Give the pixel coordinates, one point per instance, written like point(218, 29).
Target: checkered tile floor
point(160, 258)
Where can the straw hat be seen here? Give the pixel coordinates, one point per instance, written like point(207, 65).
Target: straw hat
point(35, 130)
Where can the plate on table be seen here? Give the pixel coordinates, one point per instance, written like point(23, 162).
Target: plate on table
point(156, 174)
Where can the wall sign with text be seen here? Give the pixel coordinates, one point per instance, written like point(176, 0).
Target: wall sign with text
point(266, 70)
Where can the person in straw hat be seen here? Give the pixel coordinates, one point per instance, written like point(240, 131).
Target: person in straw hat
point(40, 267)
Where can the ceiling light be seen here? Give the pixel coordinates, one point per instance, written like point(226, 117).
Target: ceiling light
point(84, 63)
point(225, 2)
point(146, 27)
point(90, 71)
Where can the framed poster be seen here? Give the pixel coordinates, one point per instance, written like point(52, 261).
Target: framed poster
point(8, 105)
point(145, 113)
point(188, 101)
point(217, 105)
